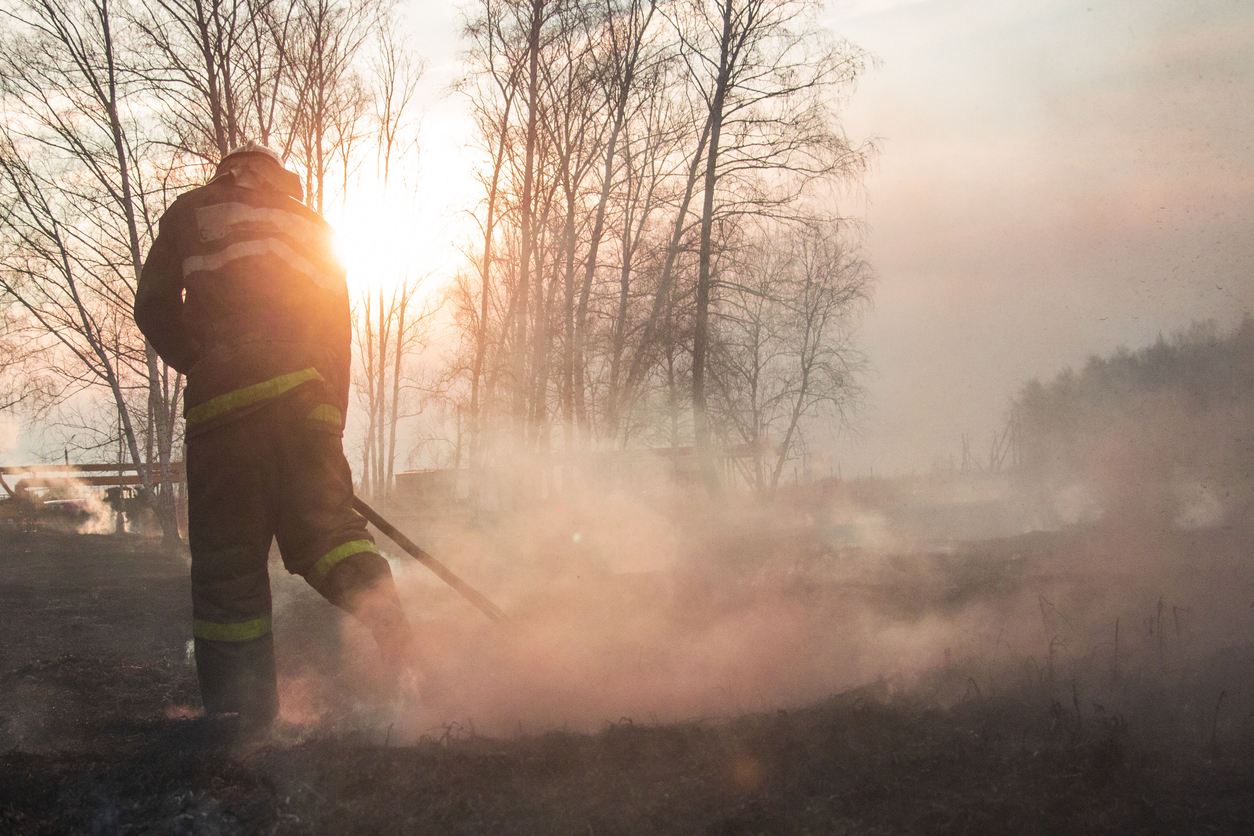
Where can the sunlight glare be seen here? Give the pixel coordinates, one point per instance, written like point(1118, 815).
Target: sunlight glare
point(376, 237)
point(414, 228)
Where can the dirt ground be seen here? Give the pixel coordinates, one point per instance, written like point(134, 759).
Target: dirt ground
point(100, 734)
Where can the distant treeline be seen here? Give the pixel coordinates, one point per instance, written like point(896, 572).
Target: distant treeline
point(1182, 405)
point(1200, 364)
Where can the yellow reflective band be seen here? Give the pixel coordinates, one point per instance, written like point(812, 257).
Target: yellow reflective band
point(338, 553)
point(326, 412)
point(265, 390)
point(240, 631)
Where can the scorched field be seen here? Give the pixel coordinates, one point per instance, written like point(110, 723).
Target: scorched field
point(1007, 687)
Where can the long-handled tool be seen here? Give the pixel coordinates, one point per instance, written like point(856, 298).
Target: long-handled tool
point(471, 594)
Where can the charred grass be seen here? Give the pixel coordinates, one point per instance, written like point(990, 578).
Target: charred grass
point(1140, 739)
point(849, 765)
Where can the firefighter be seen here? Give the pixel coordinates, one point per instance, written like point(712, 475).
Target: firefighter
point(242, 293)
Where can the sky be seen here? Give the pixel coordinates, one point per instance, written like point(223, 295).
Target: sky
point(1054, 180)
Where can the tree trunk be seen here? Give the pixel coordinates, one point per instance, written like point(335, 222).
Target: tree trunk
point(701, 324)
point(396, 386)
point(661, 297)
point(525, 210)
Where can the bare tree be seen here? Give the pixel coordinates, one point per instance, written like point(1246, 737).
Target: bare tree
point(605, 125)
point(662, 170)
point(784, 356)
point(329, 99)
point(395, 72)
point(766, 73)
point(628, 58)
point(520, 57)
point(492, 89)
point(77, 218)
point(219, 70)
point(389, 331)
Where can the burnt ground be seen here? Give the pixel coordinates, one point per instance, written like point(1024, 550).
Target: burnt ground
point(99, 735)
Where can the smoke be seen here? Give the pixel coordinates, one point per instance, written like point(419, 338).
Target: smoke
point(655, 649)
point(776, 624)
point(645, 607)
point(100, 517)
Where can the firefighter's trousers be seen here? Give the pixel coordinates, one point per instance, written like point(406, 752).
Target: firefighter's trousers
point(275, 473)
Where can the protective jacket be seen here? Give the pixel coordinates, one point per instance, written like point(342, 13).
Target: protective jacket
point(243, 293)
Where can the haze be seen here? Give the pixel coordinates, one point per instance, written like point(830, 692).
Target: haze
point(1055, 180)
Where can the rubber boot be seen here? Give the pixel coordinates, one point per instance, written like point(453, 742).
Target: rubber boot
point(239, 684)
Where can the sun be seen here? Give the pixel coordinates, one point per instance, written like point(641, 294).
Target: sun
point(411, 229)
point(375, 237)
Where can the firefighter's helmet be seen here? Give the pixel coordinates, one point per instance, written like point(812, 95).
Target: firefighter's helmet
point(241, 164)
point(256, 148)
